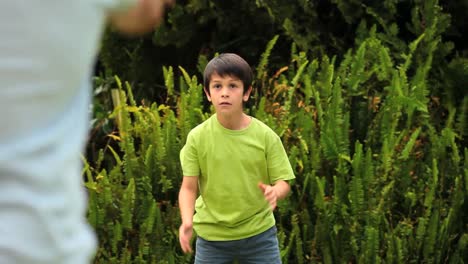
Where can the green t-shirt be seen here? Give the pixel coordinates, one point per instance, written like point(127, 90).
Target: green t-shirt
point(230, 164)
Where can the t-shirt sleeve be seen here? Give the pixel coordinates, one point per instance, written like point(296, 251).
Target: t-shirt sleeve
point(189, 157)
point(279, 167)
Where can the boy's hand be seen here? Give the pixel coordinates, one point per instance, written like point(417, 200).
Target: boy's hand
point(270, 194)
point(185, 234)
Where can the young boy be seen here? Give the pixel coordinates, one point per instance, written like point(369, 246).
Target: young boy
point(241, 169)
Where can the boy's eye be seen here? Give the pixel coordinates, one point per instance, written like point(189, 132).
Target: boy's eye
point(232, 85)
point(216, 86)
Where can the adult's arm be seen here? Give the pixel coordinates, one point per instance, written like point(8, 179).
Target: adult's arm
point(140, 18)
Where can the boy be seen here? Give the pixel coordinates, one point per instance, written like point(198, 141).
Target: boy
point(241, 168)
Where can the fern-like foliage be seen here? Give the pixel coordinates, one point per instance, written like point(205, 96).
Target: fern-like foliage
point(378, 153)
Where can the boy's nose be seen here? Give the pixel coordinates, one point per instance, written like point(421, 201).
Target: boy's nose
point(225, 92)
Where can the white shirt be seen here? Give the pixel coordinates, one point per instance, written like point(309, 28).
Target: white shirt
point(47, 50)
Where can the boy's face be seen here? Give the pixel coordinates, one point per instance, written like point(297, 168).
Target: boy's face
point(227, 94)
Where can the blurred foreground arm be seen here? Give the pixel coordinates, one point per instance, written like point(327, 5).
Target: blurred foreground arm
point(142, 17)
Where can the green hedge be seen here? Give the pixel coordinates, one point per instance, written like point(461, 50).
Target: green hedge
point(377, 147)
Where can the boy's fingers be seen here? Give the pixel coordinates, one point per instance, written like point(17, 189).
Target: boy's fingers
point(184, 238)
point(186, 248)
point(269, 194)
point(262, 186)
point(185, 245)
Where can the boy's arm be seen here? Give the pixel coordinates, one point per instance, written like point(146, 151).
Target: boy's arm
point(141, 18)
point(187, 196)
point(275, 192)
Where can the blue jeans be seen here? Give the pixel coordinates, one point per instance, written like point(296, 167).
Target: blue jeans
point(258, 249)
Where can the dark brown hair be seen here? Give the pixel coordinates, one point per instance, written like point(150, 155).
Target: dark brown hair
point(228, 64)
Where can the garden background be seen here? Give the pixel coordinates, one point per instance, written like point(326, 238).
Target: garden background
point(369, 98)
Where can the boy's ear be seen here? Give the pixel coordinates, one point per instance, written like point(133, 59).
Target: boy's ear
point(247, 94)
point(207, 93)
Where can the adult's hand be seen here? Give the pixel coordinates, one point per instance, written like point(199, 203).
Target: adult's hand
point(141, 18)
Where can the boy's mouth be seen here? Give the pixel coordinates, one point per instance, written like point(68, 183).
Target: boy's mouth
point(225, 103)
